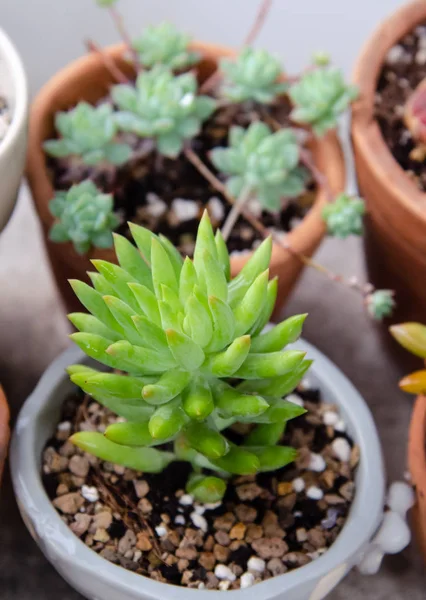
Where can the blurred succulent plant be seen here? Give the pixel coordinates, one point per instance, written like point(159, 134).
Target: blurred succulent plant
point(89, 132)
point(344, 216)
point(165, 45)
point(84, 217)
point(164, 107)
point(320, 97)
point(181, 330)
point(266, 163)
point(380, 304)
point(252, 76)
point(412, 336)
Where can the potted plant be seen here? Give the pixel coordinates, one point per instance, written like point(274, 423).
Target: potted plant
point(204, 469)
point(412, 336)
point(387, 139)
point(162, 172)
point(13, 125)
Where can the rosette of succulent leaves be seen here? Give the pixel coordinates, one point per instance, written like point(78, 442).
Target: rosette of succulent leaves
point(190, 360)
point(165, 106)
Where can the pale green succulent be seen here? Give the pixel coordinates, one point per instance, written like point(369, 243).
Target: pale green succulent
point(164, 107)
point(344, 216)
point(84, 217)
point(252, 76)
point(380, 304)
point(320, 97)
point(165, 45)
point(189, 342)
point(106, 3)
point(265, 163)
point(89, 132)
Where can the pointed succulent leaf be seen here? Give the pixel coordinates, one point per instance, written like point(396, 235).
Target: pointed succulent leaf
point(280, 411)
point(259, 366)
point(174, 255)
point(415, 383)
point(231, 403)
point(162, 269)
point(198, 400)
point(238, 461)
point(222, 255)
point(143, 238)
point(188, 280)
point(119, 279)
point(90, 324)
point(131, 434)
point(148, 460)
point(411, 336)
point(197, 323)
point(122, 387)
point(206, 440)
point(247, 311)
point(224, 364)
point(268, 307)
point(138, 359)
point(151, 335)
point(277, 386)
point(131, 260)
point(187, 353)
point(123, 314)
point(265, 434)
point(206, 489)
point(147, 302)
point(257, 264)
point(215, 280)
point(167, 420)
point(101, 285)
point(223, 324)
point(169, 385)
point(272, 458)
point(279, 336)
point(96, 347)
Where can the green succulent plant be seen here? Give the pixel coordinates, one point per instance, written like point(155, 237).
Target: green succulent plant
point(252, 76)
point(106, 3)
point(84, 217)
point(164, 107)
point(380, 304)
point(165, 45)
point(320, 97)
point(266, 163)
point(189, 341)
point(344, 216)
point(89, 132)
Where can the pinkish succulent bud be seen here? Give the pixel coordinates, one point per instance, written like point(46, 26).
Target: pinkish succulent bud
point(415, 112)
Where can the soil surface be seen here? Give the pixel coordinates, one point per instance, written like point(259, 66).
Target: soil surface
point(265, 526)
point(168, 196)
point(404, 69)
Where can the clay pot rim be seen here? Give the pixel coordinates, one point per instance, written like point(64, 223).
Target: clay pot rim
point(327, 153)
point(417, 444)
point(365, 129)
point(4, 427)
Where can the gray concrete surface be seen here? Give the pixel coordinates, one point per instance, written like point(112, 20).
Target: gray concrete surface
point(33, 330)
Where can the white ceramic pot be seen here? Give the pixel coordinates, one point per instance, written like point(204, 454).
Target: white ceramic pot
point(98, 579)
point(13, 86)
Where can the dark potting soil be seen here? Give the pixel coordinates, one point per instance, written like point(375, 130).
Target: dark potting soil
point(168, 196)
point(266, 525)
point(404, 69)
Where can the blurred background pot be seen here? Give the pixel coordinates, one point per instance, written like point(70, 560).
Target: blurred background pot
point(395, 239)
point(417, 466)
point(87, 79)
point(4, 429)
point(13, 88)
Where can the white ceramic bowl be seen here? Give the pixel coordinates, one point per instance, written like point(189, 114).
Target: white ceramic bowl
point(13, 86)
point(98, 579)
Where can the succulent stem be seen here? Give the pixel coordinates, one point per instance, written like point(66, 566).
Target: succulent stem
point(110, 65)
point(119, 23)
point(236, 210)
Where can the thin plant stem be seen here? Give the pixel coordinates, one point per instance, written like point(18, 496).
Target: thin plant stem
point(319, 178)
point(282, 242)
point(265, 6)
point(110, 65)
point(119, 23)
point(236, 210)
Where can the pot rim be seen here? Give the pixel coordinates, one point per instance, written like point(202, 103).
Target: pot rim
point(20, 85)
point(364, 516)
point(327, 152)
point(366, 132)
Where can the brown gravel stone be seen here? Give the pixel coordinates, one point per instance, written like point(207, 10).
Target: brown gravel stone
point(141, 488)
point(207, 560)
point(101, 535)
point(171, 560)
point(333, 499)
point(79, 465)
point(143, 542)
point(67, 449)
point(328, 477)
point(54, 462)
point(287, 502)
point(284, 488)
point(222, 538)
point(62, 489)
point(221, 553)
point(303, 458)
point(186, 577)
point(126, 542)
point(254, 532)
point(301, 534)
point(270, 547)
point(271, 526)
point(355, 456)
point(182, 564)
point(70, 503)
point(225, 522)
point(212, 581)
point(209, 543)
point(296, 559)
point(238, 531)
point(248, 491)
point(347, 490)
point(245, 513)
point(276, 566)
point(80, 524)
point(102, 519)
point(316, 538)
point(188, 552)
point(145, 506)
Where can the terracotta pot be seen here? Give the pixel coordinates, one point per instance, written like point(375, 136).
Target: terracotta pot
point(4, 429)
point(417, 466)
point(396, 224)
point(87, 79)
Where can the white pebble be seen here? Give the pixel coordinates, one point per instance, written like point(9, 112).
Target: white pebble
point(180, 520)
point(306, 383)
point(224, 572)
point(137, 555)
point(91, 494)
point(256, 564)
point(185, 210)
point(298, 485)
point(295, 399)
point(315, 493)
point(199, 521)
point(420, 57)
point(316, 463)
point(200, 509)
point(161, 531)
point(186, 500)
point(156, 210)
point(216, 209)
point(254, 207)
point(64, 426)
point(201, 585)
point(340, 426)
point(247, 580)
point(211, 506)
point(400, 497)
point(395, 54)
point(342, 449)
point(330, 418)
point(224, 585)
